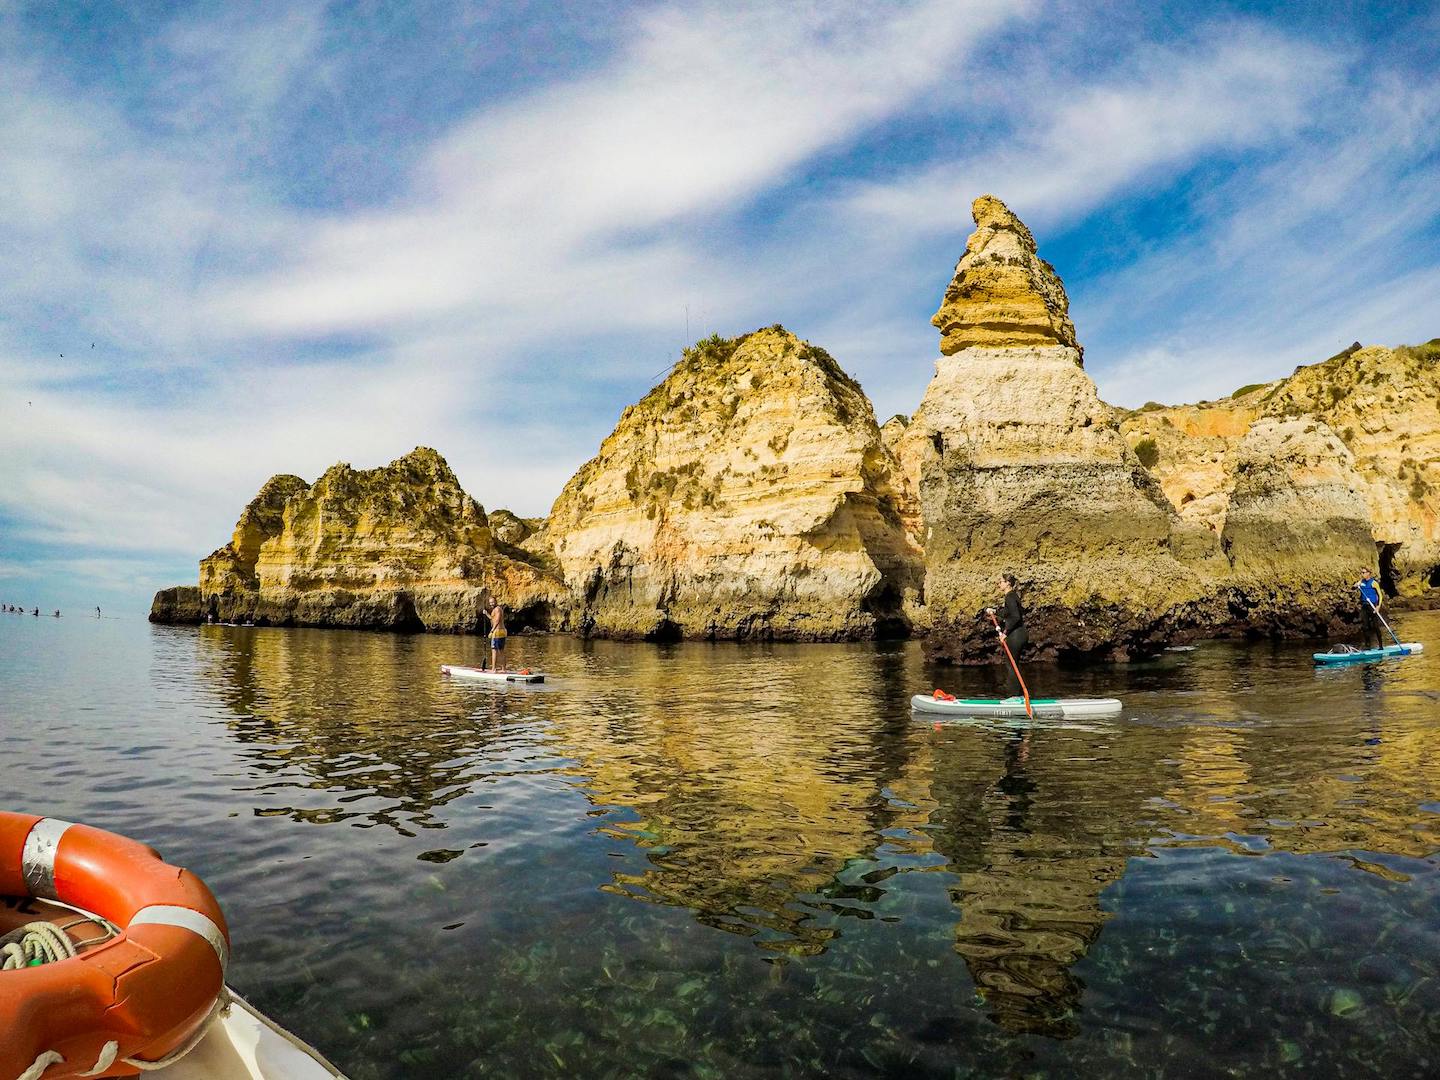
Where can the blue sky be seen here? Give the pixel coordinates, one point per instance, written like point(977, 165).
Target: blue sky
point(242, 239)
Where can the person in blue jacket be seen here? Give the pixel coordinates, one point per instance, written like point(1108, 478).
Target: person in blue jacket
point(1370, 601)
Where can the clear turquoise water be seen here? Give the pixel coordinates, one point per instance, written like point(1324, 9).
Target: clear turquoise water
point(751, 861)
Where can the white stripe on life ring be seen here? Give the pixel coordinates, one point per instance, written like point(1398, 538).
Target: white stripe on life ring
point(37, 860)
point(186, 919)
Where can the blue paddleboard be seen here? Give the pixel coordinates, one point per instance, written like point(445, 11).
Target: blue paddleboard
point(1349, 655)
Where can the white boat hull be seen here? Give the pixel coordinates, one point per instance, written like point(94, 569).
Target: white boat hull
point(244, 1044)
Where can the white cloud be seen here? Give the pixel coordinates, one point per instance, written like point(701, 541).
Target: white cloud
point(1288, 263)
point(1074, 143)
point(521, 224)
point(543, 232)
point(544, 205)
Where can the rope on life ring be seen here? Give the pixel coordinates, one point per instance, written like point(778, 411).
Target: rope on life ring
point(34, 944)
point(130, 999)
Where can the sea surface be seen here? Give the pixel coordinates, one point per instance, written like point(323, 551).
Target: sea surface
point(740, 861)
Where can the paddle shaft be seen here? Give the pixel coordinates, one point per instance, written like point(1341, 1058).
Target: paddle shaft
point(1013, 666)
point(1382, 621)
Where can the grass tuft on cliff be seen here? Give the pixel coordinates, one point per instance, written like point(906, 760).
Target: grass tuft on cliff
point(1429, 352)
point(1147, 452)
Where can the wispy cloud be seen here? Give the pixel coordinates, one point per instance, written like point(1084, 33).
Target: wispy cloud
point(557, 214)
point(1279, 273)
point(548, 204)
point(1072, 144)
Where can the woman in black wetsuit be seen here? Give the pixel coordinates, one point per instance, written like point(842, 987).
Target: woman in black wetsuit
point(1012, 622)
point(1012, 628)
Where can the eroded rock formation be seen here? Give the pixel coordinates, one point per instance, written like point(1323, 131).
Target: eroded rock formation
point(1003, 294)
point(752, 495)
point(1020, 472)
point(1383, 405)
point(1297, 530)
point(1255, 514)
point(749, 495)
point(1019, 467)
point(398, 547)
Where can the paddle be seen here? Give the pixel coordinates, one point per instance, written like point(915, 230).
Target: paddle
point(1382, 620)
point(1013, 666)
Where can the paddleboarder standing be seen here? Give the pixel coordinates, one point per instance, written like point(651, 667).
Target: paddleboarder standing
point(1011, 625)
point(1370, 600)
point(497, 636)
point(1012, 622)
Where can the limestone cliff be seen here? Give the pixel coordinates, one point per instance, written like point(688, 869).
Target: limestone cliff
point(1297, 530)
point(398, 547)
point(906, 475)
point(524, 539)
point(1020, 472)
point(1254, 514)
point(1383, 404)
point(1003, 294)
point(749, 495)
point(1019, 467)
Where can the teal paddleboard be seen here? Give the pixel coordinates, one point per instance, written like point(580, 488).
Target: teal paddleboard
point(1348, 654)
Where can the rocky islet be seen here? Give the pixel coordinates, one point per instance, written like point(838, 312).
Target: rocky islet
point(401, 547)
point(752, 495)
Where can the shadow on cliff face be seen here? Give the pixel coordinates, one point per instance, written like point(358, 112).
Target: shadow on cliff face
point(885, 606)
point(1113, 634)
point(1084, 635)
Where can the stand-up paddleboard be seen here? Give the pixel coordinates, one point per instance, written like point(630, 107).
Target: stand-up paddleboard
point(1348, 654)
point(1044, 708)
point(460, 671)
point(1181, 648)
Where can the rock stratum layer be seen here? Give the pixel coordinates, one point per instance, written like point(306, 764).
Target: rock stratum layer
point(1003, 294)
point(1020, 471)
point(749, 495)
point(400, 547)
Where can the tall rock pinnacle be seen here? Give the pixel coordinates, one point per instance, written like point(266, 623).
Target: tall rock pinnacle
point(1003, 294)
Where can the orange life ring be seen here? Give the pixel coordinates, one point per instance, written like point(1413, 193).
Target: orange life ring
point(141, 995)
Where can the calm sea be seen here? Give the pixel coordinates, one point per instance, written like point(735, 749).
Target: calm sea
point(732, 861)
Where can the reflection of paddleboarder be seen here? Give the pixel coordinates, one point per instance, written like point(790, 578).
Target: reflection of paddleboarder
point(1370, 600)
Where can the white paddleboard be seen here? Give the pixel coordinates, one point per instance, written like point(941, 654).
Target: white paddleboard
point(1043, 708)
point(460, 671)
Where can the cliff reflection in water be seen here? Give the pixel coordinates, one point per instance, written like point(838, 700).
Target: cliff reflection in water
point(779, 793)
point(1016, 823)
point(745, 785)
